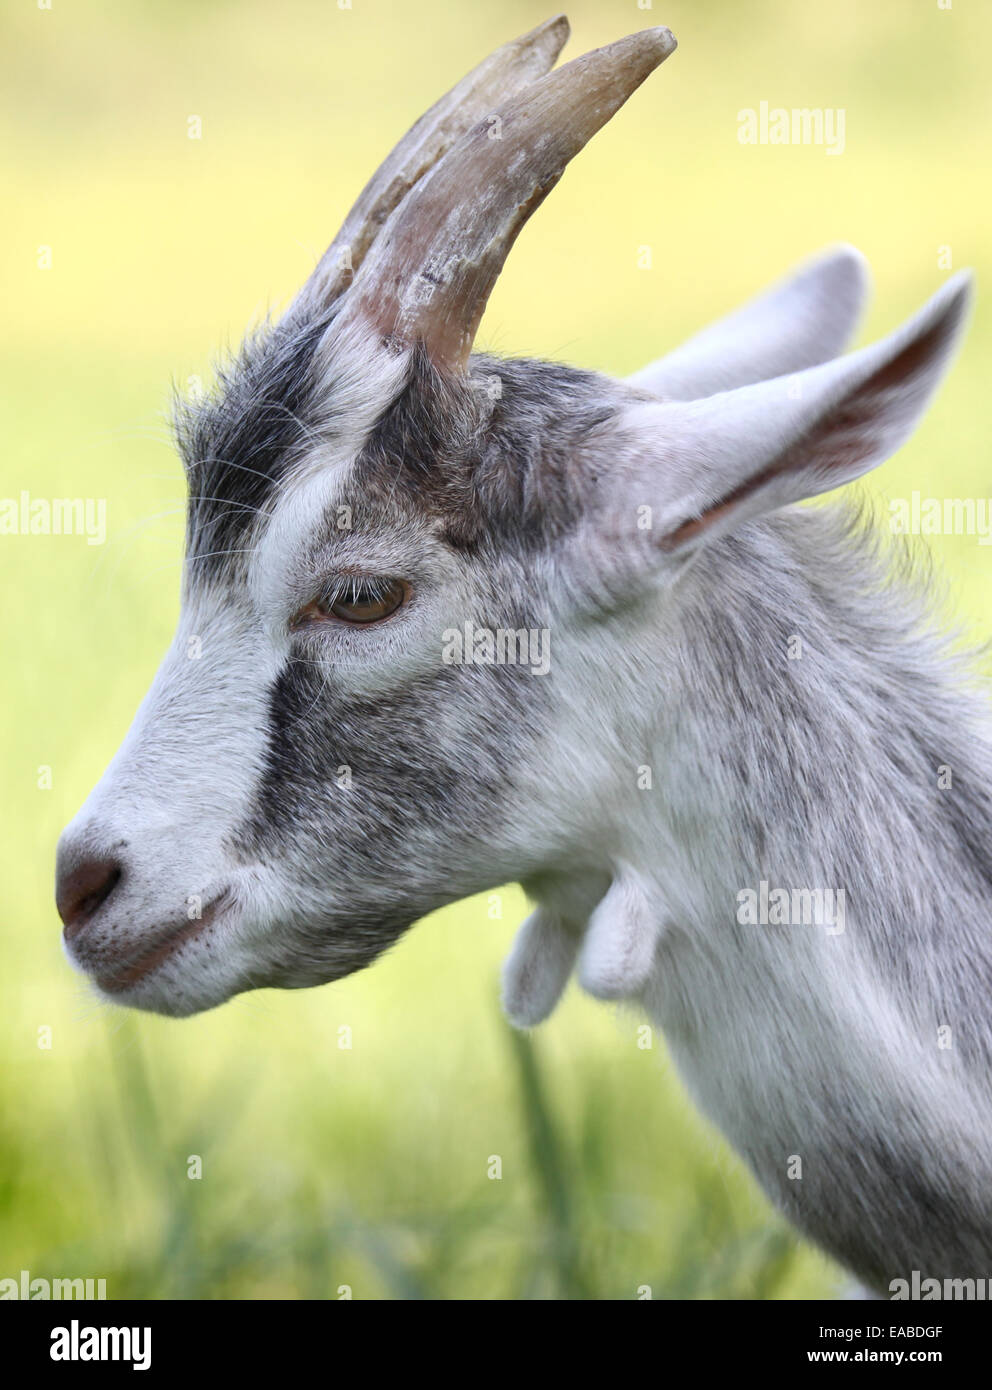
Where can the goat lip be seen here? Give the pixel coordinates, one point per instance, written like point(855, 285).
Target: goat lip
point(132, 972)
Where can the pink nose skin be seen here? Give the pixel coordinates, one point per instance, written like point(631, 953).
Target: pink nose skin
point(81, 892)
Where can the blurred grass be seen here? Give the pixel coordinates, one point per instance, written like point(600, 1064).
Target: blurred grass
point(367, 1168)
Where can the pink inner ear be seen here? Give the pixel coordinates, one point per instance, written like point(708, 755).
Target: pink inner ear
point(849, 435)
point(697, 524)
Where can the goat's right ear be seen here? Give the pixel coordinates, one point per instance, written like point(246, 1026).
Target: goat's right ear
point(686, 472)
point(807, 318)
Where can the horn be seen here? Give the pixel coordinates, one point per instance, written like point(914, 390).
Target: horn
point(507, 70)
point(429, 274)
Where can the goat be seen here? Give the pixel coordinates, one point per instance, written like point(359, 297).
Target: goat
point(307, 776)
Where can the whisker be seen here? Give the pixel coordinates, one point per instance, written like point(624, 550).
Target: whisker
point(214, 554)
point(129, 535)
point(233, 506)
point(213, 461)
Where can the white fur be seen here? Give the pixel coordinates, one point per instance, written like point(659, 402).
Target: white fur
point(618, 950)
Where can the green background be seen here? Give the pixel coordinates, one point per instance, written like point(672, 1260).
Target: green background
point(368, 1167)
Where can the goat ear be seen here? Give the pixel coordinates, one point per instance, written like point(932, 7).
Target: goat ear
point(704, 466)
point(807, 318)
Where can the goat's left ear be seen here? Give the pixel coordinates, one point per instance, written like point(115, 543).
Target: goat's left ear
point(691, 470)
point(807, 318)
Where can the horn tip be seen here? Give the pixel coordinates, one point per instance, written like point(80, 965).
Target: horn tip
point(550, 37)
point(659, 40)
point(557, 24)
point(633, 57)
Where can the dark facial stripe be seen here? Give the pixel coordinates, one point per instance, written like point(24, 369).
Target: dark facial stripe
point(238, 444)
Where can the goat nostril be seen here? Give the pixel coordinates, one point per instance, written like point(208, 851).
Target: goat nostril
point(82, 891)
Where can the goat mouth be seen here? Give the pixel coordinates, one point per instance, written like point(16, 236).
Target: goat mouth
point(137, 969)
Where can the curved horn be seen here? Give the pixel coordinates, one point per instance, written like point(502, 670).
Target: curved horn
point(430, 273)
point(507, 70)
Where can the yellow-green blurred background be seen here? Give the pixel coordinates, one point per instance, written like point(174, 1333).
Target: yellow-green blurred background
point(326, 1166)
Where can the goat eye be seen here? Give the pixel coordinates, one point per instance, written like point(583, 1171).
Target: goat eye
point(360, 600)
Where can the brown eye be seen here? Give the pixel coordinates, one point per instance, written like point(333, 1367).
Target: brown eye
point(362, 600)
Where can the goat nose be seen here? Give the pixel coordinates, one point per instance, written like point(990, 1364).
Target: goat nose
point(83, 889)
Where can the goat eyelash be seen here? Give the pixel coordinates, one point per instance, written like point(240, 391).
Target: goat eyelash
point(349, 587)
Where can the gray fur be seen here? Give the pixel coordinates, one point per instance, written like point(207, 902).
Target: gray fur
point(835, 782)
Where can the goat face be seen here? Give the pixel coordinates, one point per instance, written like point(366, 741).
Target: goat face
point(301, 782)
